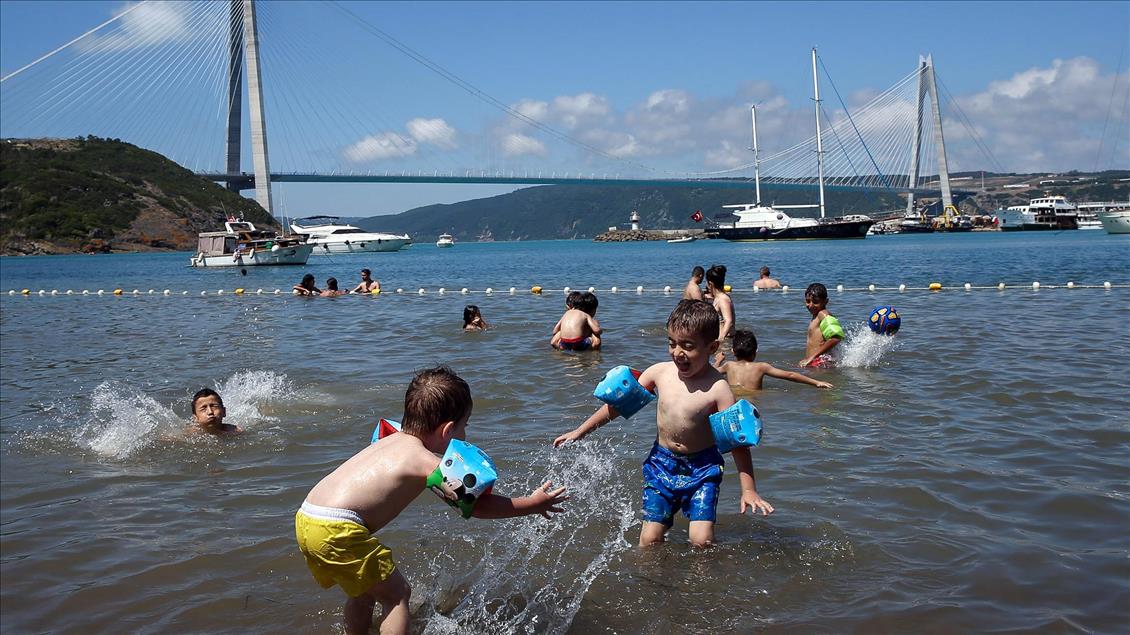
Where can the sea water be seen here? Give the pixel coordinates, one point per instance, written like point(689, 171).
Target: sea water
point(969, 474)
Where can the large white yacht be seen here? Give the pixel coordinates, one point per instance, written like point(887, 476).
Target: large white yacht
point(1116, 222)
point(329, 236)
point(1054, 211)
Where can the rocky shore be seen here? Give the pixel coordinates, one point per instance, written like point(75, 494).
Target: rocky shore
point(630, 235)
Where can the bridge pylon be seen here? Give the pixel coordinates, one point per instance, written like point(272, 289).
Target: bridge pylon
point(927, 84)
point(244, 47)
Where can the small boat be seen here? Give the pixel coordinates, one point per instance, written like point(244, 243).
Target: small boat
point(445, 240)
point(682, 239)
point(242, 245)
point(1019, 218)
point(329, 236)
point(1116, 222)
point(916, 223)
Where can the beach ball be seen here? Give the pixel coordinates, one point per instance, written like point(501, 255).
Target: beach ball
point(885, 320)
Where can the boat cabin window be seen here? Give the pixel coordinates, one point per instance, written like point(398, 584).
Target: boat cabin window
point(240, 227)
point(352, 230)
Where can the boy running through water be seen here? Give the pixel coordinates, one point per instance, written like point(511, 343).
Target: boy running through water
point(824, 331)
point(684, 469)
point(335, 524)
point(748, 374)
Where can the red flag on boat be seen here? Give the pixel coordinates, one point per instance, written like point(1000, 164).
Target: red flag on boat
point(697, 216)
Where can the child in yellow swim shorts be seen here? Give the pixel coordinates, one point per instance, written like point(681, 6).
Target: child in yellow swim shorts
point(336, 522)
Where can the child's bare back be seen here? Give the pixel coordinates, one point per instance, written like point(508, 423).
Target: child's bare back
point(751, 375)
point(378, 482)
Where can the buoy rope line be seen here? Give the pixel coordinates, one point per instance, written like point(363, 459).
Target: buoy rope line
point(537, 290)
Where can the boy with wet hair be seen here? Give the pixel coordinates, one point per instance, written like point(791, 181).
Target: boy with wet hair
point(824, 330)
point(208, 413)
point(683, 472)
point(336, 522)
point(578, 330)
point(693, 289)
point(748, 374)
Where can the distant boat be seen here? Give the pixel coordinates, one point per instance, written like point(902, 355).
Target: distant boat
point(684, 239)
point(1117, 222)
point(445, 240)
point(331, 237)
point(242, 245)
point(916, 223)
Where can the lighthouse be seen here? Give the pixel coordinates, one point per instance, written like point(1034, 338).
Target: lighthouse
point(635, 218)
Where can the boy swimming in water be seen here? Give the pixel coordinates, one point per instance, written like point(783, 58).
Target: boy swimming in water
point(208, 413)
point(824, 331)
point(578, 330)
point(684, 469)
point(336, 522)
point(748, 374)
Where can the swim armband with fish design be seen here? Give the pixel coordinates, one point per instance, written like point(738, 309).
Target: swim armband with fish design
point(465, 474)
point(830, 327)
point(738, 426)
point(622, 390)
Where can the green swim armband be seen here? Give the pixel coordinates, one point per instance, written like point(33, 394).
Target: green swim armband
point(830, 327)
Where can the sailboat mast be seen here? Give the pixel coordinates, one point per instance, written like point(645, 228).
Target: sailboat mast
point(756, 156)
point(819, 141)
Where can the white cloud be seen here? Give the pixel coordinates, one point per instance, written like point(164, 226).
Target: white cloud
point(727, 155)
point(572, 110)
point(515, 144)
point(435, 132)
point(146, 25)
point(387, 145)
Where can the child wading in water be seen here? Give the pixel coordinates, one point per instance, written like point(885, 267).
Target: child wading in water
point(824, 331)
point(473, 319)
point(335, 524)
point(578, 330)
point(749, 374)
point(208, 413)
point(683, 472)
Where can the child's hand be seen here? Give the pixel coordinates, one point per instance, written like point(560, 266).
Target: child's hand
point(805, 362)
point(565, 438)
point(719, 358)
point(824, 384)
point(544, 500)
point(755, 503)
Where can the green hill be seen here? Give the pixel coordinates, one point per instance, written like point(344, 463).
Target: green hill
point(576, 211)
point(68, 195)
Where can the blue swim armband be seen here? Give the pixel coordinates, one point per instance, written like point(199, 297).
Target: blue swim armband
point(385, 427)
point(465, 474)
point(622, 390)
point(738, 426)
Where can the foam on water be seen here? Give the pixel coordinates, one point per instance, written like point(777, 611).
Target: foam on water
point(864, 349)
point(245, 393)
point(533, 573)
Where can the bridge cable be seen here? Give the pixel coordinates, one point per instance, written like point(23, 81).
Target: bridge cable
point(1110, 105)
point(969, 125)
point(852, 121)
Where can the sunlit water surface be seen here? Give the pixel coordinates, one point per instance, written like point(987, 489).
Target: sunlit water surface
point(968, 475)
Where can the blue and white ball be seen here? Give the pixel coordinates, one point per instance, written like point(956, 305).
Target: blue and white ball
point(885, 320)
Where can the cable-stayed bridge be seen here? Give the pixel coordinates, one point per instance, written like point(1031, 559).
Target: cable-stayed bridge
point(172, 77)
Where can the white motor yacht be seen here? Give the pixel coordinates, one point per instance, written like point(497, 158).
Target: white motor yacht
point(445, 240)
point(242, 245)
point(329, 236)
point(1116, 222)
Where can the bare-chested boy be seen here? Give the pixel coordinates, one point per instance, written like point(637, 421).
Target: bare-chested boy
point(578, 330)
point(824, 331)
point(748, 374)
point(335, 525)
point(684, 469)
point(208, 413)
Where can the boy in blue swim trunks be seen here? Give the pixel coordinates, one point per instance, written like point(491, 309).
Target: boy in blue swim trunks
point(683, 472)
point(335, 524)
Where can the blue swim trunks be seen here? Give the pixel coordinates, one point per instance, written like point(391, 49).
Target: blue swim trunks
point(687, 482)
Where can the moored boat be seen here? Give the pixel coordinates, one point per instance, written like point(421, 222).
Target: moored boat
point(332, 237)
point(682, 239)
point(445, 240)
point(242, 245)
point(1116, 222)
point(762, 222)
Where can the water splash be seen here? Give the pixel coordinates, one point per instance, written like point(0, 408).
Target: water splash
point(863, 348)
point(247, 395)
point(123, 420)
point(533, 574)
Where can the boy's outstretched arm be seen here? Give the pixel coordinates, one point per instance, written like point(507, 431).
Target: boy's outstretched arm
point(604, 414)
point(594, 326)
point(750, 497)
point(773, 371)
point(543, 500)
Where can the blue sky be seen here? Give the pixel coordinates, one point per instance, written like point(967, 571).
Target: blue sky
point(661, 84)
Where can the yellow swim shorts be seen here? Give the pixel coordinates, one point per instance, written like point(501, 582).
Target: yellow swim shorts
point(340, 550)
